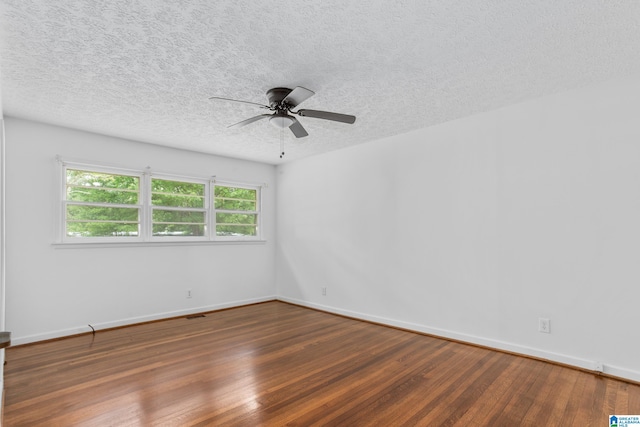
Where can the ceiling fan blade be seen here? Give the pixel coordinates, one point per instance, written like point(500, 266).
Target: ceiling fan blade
point(336, 117)
point(298, 95)
point(297, 129)
point(237, 100)
point(249, 121)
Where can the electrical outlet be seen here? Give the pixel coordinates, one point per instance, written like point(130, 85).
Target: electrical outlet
point(598, 367)
point(324, 291)
point(544, 325)
point(189, 295)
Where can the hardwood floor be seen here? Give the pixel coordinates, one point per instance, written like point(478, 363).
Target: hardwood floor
point(277, 364)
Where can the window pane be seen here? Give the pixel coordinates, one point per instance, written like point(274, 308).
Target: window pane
point(95, 213)
point(228, 224)
point(176, 201)
point(102, 195)
point(101, 229)
point(235, 205)
point(236, 230)
point(86, 186)
point(177, 187)
point(235, 199)
point(177, 194)
point(169, 230)
point(178, 216)
point(235, 193)
point(101, 180)
point(233, 218)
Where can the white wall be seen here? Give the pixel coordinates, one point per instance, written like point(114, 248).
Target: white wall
point(476, 228)
point(53, 292)
point(2, 251)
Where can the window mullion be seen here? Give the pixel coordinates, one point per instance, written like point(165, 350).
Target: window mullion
point(208, 205)
point(237, 212)
point(62, 208)
point(177, 209)
point(145, 214)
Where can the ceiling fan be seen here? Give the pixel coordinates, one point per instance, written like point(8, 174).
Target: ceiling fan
point(281, 101)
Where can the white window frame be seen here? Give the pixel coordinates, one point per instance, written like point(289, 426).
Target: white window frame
point(257, 212)
point(145, 207)
point(106, 170)
point(206, 209)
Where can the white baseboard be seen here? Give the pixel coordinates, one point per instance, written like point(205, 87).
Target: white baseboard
point(472, 339)
point(133, 320)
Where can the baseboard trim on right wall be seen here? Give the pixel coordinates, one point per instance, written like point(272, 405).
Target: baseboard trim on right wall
point(561, 359)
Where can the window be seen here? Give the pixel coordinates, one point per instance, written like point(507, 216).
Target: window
point(178, 208)
point(236, 211)
point(102, 204)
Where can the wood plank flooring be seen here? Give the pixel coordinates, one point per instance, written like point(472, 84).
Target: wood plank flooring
point(276, 364)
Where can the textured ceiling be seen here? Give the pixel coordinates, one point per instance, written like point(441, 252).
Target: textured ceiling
point(144, 69)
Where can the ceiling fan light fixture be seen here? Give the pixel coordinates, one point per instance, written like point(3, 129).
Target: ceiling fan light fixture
point(281, 121)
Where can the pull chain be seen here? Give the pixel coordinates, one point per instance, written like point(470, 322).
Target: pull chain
point(281, 143)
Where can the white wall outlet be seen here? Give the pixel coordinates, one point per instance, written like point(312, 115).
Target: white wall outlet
point(324, 291)
point(598, 367)
point(544, 325)
point(189, 294)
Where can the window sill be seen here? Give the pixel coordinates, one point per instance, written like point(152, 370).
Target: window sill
point(88, 245)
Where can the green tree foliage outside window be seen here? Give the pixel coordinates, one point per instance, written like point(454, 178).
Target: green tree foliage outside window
point(112, 203)
point(236, 211)
point(101, 204)
point(180, 208)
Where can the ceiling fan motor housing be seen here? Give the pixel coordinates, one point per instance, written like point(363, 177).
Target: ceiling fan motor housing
point(276, 95)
